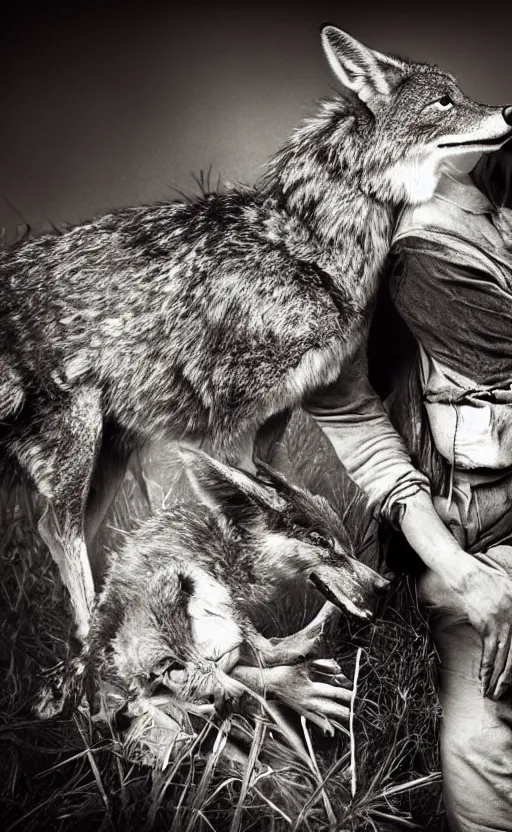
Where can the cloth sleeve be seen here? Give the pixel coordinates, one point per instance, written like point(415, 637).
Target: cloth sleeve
point(354, 419)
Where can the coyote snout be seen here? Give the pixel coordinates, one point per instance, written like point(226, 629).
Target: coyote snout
point(352, 585)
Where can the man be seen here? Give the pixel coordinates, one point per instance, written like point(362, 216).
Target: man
point(440, 468)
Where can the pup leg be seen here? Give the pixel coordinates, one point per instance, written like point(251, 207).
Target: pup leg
point(62, 688)
point(60, 460)
point(237, 451)
point(290, 649)
point(305, 642)
point(109, 473)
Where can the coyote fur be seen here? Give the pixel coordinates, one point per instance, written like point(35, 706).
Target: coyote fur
point(200, 320)
point(186, 595)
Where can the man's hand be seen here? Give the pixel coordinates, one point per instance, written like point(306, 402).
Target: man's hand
point(485, 595)
point(478, 588)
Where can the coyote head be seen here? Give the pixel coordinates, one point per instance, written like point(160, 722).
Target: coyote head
point(417, 117)
point(288, 532)
point(388, 134)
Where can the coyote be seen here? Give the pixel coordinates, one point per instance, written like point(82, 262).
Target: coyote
point(187, 593)
point(200, 320)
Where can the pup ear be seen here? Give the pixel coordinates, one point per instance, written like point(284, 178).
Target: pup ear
point(368, 73)
point(283, 487)
point(305, 507)
point(229, 489)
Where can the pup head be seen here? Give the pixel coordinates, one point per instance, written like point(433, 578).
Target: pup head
point(296, 533)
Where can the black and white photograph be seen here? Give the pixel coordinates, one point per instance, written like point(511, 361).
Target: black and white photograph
point(256, 417)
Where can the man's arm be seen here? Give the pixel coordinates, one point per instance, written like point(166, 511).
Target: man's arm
point(483, 591)
point(354, 419)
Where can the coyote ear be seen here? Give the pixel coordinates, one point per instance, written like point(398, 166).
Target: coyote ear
point(368, 73)
point(221, 486)
point(277, 481)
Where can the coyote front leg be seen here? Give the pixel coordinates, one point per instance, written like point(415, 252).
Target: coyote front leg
point(109, 473)
point(60, 460)
point(289, 649)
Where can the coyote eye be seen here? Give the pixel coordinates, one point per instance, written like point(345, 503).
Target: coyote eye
point(321, 540)
point(165, 666)
point(444, 103)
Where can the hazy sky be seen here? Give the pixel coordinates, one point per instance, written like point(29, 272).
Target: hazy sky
point(108, 109)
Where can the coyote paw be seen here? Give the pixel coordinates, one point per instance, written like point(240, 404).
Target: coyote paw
point(317, 690)
point(62, 689)
point(156, 735)
point(297, 647)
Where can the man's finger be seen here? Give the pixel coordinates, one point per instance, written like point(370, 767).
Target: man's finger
point(500, 660)
point(505, 678)
point(489, 648)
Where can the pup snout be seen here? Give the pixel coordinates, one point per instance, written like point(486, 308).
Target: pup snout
point(371, 585)
point(350, 584)
point(380, 585)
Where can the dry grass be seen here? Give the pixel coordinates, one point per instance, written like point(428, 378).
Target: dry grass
point(67, 775)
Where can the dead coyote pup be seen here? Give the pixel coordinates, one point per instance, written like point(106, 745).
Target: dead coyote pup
point(187, 593)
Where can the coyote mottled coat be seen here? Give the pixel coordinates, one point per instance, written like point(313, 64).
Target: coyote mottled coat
point(199, 321)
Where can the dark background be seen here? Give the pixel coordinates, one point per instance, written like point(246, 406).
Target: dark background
point(103, 107)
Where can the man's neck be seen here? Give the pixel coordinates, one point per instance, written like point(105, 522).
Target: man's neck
point(459, 189)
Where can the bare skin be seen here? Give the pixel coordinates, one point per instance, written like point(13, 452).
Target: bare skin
point(483, 592)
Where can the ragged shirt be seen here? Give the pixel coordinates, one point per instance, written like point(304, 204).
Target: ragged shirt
point(452, 285)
